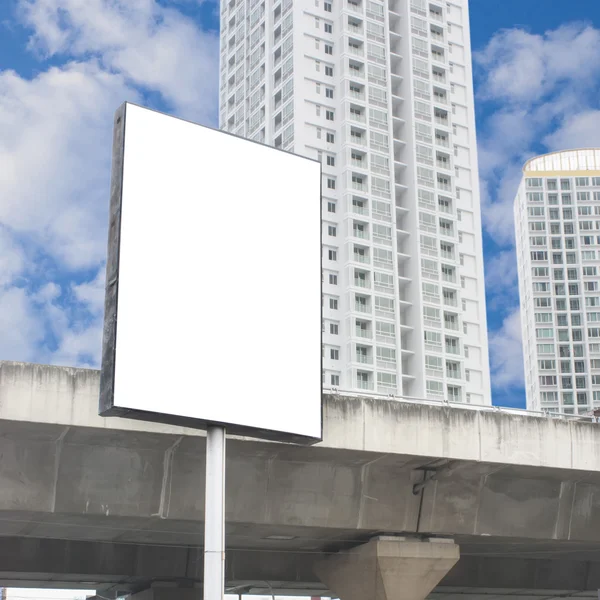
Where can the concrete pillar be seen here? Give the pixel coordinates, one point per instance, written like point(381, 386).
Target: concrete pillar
point(388, 568)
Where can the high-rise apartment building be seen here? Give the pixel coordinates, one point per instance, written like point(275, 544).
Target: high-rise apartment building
point(557, 222)
point(381, 93)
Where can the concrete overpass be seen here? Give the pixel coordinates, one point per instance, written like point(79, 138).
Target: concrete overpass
point(118, 505)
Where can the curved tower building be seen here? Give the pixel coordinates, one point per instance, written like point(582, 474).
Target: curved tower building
point(557, 223)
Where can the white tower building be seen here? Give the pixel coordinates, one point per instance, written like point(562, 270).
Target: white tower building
point(557, 222)
point(381, 92)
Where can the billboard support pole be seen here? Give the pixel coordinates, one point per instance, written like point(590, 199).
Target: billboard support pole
point(214, 515)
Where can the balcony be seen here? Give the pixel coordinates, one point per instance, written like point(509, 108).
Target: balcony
point(364, 358)
point(357, 29)
point(442, 141)
point(364, 385)
point(434, 324)
point(385, 338)
point(452, 349)
point(357, 95)
point(362, 187)
point(430, 274)
point(359, 209)
point(363, 283)
point(363, 234)
point(451, 301)
point(436, 16)
point(432, 299)
point(445, 208)
point(449, 277)
point(362, 308)
point(453, 374)
point(357, 117)
point(452, 325)
point(447, 255)
point(354, 73)
point(433, 347)
point(354, 7)
point(355, 50)
point(384, 288)
point(364, 333)
point(361, 258)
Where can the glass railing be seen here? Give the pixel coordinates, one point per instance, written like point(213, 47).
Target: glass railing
point(364, 385)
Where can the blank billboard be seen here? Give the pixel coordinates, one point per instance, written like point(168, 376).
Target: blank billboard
point(213, 288)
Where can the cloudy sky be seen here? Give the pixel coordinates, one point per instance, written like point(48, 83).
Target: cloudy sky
point(65, 65)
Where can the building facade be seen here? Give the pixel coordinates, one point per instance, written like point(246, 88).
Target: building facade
point(557, 223)
point(381, 93)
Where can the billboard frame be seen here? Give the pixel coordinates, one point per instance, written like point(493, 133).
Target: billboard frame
point(107, 407)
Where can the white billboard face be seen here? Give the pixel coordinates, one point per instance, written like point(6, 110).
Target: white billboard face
point(213, 308)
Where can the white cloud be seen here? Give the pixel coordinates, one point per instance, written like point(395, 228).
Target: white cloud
point(152, 46)
point(12, 258)
point(576, 131)
point(21, 330)
point(523, 67)
point(79, 346)
point(92, 293)
point(501, 272)
point(47, 293)
point(506, 353)
point(543, 89)
point(55, 150)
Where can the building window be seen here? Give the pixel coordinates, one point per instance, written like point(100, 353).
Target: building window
point(327, 6)
point(328, 28)
point(329, 92)
point(330, 138)
point(331, 207)
point(334, 354)
point(329, 115)
point(329, 71)
point(332, 255)
point(330, 183)
point(330, 161)
point(328, 49)
point(333, 279)
point(333, 303)
point(331, 230)
point(334, 329)
point(335, 380)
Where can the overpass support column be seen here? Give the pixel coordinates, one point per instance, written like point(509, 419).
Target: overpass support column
point(388, 568)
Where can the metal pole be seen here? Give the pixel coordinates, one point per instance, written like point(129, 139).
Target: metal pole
point(214, 515)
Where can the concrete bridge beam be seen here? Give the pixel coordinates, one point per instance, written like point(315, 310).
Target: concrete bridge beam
point(168, 593)
point(388, 568)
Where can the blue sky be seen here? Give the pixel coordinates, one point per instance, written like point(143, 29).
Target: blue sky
point(65, 65)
